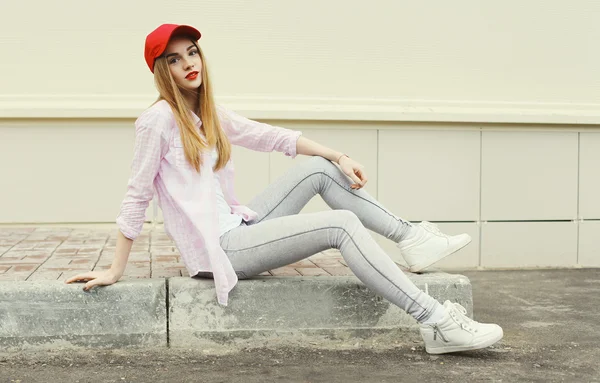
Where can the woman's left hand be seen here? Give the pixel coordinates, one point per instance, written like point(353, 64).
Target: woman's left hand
point(354, 170)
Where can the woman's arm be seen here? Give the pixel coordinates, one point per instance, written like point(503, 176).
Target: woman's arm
point(112, 275)
point(351, 168)
point(256, 135)
point(151, 145)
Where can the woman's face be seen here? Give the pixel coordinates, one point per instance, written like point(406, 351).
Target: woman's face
point(185, 64)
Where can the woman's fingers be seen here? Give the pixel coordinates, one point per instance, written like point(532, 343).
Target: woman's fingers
point(363, 177)
point(352, 175)
point(359, 178)
point(80, 277)
point(93, 279)
point(92, 283)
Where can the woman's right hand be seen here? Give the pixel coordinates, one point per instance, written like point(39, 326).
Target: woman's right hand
point(95, 278)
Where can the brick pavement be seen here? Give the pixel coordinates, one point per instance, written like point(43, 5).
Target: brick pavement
point(57, 253)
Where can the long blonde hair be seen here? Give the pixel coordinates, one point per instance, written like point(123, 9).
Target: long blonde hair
point(193, 143)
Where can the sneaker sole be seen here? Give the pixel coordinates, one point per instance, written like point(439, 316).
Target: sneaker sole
point(483, 344)
point(430, 261)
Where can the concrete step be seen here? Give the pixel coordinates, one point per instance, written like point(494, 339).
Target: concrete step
point(322, 311)
point(279, 311)
point(54, 315)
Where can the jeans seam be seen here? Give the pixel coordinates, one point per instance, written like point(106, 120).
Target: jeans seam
point(337, 183)
point(351, 239)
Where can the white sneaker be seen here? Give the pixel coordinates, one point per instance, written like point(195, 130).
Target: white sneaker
point(457, 332)
point(429, 245)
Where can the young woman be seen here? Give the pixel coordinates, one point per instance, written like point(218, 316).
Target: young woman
point(183, 151)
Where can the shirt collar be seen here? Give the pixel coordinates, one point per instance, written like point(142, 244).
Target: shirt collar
point(196, 119)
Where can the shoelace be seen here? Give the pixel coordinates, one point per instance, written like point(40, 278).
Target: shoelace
point(466, 322)
point(432, 228)
point(463, 320)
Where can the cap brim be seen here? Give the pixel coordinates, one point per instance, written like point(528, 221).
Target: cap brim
point(186, 30)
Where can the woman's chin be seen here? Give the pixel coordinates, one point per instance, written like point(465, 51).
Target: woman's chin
point(190, 87)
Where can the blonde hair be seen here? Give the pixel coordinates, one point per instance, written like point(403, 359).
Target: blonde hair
point(193, 144)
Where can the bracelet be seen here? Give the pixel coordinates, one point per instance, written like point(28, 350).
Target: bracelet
point(340, 157)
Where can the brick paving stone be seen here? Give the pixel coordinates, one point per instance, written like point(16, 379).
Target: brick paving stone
point(71, 246)
point(79, 261)
point(95, 242)
point(328, 263)
point(162, 243)
point(302, 263)
point(338, 271)
point(4, 260)
point(35, 258)
point(163, 254)
point(311, 271)
point(4, 249)
point(166, 273)
point(45, 276)
point(41, 229)
point(36, 245)
point(23, 268)
point(24, 247)
point(75, 269)
point(3, 268)
point(65, 251)
point(136, 258)
point(88, 253)
point(165, 258)
point(60, 238)
point(57, 262)
point(22, 253)
point(285, 272)
point(14, 276)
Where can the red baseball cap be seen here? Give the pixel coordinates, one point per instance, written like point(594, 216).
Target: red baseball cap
point(157, 40)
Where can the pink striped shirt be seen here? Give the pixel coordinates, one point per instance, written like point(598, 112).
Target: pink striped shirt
point(187, 198)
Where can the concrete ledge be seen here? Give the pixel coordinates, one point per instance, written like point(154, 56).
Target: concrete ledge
point(285, 311)
point(53, 315)
point(324, 312)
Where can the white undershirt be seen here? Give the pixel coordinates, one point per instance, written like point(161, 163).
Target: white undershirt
point(227, 220)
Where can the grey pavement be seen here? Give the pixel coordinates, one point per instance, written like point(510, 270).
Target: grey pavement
point(550, 318)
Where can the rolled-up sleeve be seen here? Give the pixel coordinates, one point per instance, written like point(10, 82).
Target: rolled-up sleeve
point(150, 147)
point(258, 136)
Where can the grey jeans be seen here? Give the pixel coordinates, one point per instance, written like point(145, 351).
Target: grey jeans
point(280, 236)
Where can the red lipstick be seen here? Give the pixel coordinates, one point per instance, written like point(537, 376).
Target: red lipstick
point(192, 75)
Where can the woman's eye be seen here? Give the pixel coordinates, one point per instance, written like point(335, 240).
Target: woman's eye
point(173, 60)
point(193, 53)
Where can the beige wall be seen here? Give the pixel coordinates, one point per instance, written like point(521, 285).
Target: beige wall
point(500, 61)
point(484, 116)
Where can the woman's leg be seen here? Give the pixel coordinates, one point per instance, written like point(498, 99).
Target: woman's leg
point(291, 192)
point(421, 245)
point(281, 241)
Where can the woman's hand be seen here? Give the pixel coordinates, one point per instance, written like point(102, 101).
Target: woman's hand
point(95, 278)
point(354, 170)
